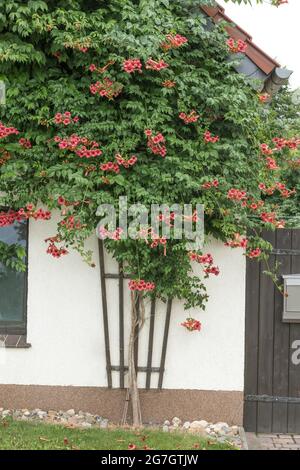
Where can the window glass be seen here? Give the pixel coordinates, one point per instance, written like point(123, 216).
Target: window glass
point(12, 283)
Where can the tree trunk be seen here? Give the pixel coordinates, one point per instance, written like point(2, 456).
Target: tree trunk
point(132, 373)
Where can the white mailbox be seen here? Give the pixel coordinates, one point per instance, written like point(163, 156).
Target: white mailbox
point(291, 310)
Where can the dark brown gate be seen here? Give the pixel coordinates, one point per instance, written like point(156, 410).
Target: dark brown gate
point(272, 376)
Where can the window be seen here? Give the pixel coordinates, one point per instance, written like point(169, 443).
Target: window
point(13, 285)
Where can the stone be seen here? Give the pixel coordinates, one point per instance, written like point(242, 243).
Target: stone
point(83, 420)
point(176, 422)
point(221, 431)
point(79, 418)
point(235, 430)
point(89, 419)
point(197, 428)
point(186, 425)
point(104, 423)
point(203, 423)
point(225, 425)
point(86, 425)
point(221, 428)
point(198, 424)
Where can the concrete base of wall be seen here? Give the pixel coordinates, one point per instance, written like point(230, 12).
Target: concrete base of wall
point(157, 405)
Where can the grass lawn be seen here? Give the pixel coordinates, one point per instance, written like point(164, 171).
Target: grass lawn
point(20, 435)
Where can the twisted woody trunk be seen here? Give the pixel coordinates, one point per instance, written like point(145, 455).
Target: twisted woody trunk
point(137, 322)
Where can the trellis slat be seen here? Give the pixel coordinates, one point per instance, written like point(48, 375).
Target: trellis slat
point(150, 344)
point(105, 316)
point(165, 343)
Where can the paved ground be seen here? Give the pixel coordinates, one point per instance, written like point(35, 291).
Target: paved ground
point(273, 441)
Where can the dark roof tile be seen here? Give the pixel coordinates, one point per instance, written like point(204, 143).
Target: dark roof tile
point(256, 64)
point(257, 55)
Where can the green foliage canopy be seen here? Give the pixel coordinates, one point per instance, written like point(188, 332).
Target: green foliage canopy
point(46, 49)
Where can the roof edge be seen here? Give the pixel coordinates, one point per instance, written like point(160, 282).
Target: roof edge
point(263, 61)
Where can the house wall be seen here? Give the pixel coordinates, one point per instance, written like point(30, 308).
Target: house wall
point(65, 329)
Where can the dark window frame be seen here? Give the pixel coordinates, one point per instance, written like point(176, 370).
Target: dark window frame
point(18, 327)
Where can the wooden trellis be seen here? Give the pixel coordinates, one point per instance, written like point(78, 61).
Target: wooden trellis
point(121, 367)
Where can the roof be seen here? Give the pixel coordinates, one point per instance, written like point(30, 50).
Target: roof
point(256, 63)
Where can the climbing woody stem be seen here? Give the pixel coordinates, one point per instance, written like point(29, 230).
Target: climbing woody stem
point(132, 373)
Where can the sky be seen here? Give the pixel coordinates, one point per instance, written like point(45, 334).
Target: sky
point(275, 30)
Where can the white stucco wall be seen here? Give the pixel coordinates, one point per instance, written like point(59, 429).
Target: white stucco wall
point(65, 325)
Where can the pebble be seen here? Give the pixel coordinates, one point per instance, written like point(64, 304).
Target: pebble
point(203, 423)
point(197, 430)
point(86, 425)
point(176, 422)
point(90, 418)
point(221, 428)
point(235, 430)
point(70, 417)
point(104, 423)
point(198, 424)
point(220, 431)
